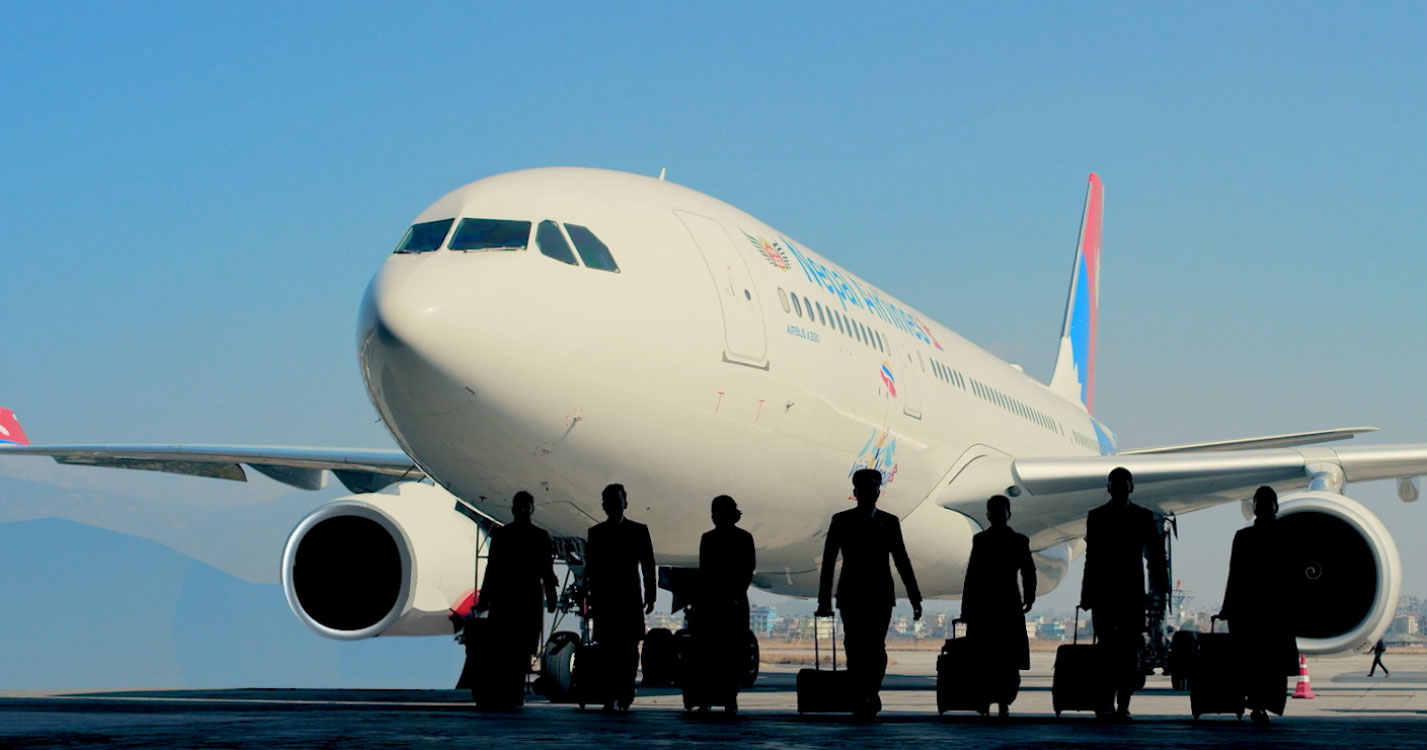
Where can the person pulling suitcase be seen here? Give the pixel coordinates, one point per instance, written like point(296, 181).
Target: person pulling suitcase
point(994, 607)
point(720, 619)
point(518, 589)
point(619, 557)
point(1254, 602)
point(867, 539)
point(1120, 537)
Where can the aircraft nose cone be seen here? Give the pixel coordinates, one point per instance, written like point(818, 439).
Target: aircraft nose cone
point(405, 346)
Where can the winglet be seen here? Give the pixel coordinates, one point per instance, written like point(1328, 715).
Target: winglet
point(11, 433)
point(1074, 376)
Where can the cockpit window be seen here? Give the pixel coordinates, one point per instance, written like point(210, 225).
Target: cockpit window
point(594, 252)
point(552, 243)
point(424, 237)
point(490, 234)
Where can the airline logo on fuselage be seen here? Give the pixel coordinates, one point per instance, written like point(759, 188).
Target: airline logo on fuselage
point(770, 252)
point(887, 378)
point(880, 453)
point(848, 290)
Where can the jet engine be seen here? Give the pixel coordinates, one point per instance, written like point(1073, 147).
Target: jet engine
point(388, 563)
point(1346, 573)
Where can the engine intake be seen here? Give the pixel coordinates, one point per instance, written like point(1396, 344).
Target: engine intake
point(389, 563)
point(1346, 572)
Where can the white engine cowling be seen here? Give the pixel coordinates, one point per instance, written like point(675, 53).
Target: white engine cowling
point(388, 563)
point(1347, 573)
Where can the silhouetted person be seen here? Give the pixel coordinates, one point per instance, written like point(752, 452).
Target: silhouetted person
point(994, 604)
point(726, 562)
point(1119, 538)
point(519, 585)
point(866, 538)
point(1254, 604)
point(1377, 650)
point(619, 557)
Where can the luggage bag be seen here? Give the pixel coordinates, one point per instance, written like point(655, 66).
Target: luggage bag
point(495, 676)
point(590, 677)
point(826, 690)
point(1078, 682)
point(705, 675)
point(960, 684)
point(1216, 686)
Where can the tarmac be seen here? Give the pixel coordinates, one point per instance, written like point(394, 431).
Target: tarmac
point(1350, 710)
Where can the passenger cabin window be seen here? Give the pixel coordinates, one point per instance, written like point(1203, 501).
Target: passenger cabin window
point(425, 237)
point(797, 306)
point(490, 234)
point(552, 243)
point(594, 252)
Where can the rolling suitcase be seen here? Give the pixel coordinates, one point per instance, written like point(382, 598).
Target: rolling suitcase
point(959, 682)
point(705, 675)
point(590, 677)
point(1216, 686)
point(826, 690)
point(495, 677)
point(1078, 683)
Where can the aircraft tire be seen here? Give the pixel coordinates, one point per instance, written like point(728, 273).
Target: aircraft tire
point(751, 675)
point(557, 665)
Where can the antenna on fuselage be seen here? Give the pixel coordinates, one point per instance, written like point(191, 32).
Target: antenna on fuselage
point(661, 174)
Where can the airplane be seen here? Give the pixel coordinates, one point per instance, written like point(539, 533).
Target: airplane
point(559, 329)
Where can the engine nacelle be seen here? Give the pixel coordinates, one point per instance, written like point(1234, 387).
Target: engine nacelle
point(1347, 573)
point(388, 563)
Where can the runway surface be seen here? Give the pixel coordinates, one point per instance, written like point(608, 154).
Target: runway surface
point(1351, 710)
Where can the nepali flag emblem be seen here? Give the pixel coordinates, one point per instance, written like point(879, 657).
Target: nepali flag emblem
point(10, 430)
point(888, 380)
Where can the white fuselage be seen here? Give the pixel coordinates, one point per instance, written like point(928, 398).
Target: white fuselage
point(698, 369)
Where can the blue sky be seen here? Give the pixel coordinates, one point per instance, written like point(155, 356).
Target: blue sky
point(192, 196)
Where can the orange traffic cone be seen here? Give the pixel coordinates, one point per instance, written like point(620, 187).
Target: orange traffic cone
point(1305, 687)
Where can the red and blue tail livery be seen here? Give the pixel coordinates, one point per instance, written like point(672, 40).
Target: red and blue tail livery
point(10, 431)
point(1074, 376)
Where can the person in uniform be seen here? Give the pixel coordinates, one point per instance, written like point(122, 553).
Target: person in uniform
point(619, 557)
point(726, 563)
point(866, 538)
point(1254, 602)
point(994, 604)
point(1120, 538)
point(519, 586)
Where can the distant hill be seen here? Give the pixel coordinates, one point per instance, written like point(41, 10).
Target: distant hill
point(85, 607)
point(202, 521)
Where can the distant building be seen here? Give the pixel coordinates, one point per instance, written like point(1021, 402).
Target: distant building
point(1051, 631)
point(1405, 624)
point(763, 620)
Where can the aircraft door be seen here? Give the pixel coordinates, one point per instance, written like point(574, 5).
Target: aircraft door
point(745, 339)
point(910, 382)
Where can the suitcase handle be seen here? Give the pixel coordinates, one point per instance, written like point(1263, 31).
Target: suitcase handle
point(955, 620)
point(1076, 638)
point(817, 657)
point(1213, 622)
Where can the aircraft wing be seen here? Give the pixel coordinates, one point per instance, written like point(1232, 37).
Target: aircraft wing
point(1056, 493)
point(357, 470)
point(1268, 441)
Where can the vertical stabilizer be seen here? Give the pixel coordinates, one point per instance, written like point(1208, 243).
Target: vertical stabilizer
point(1074, 376)
point(10, 431)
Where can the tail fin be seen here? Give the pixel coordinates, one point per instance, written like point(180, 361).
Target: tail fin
point(10, 431)
point(1074, 377)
